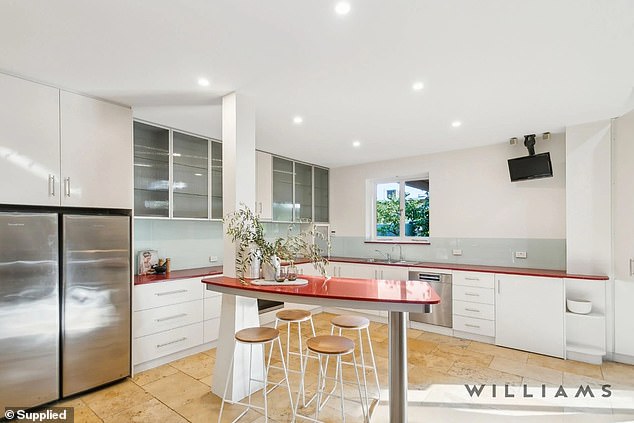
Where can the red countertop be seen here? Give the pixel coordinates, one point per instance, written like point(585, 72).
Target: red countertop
point(178, 274)
point(522, 271)
point(217, 270)
point(384, 291)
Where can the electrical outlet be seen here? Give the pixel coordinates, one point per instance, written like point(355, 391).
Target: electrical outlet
point(520, 254)
point(457, 252)
point(213, 259)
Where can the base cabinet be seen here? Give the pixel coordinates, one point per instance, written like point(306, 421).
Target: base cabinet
point(624, 318)
point(530, 314)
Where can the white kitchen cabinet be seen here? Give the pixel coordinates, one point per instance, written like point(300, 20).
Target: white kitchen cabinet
point(96, 153)
point(623, 230)
point(530, 314)
point(29, 143)
point(473, 301)
point(264, 185)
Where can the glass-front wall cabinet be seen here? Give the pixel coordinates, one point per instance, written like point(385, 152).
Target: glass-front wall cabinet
point(282, 190)
point(176, 175)
point(191, 176)
point(300, 192)
point(321, 198)
point(151, 170)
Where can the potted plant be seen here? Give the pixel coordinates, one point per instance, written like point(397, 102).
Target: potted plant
point(246, 230)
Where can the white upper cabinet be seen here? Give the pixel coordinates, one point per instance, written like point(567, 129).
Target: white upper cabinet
point(622, 198)
point(264, 185)
point(29, 143)
point(97, 153)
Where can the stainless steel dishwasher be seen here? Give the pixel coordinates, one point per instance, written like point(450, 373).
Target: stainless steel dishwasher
point(441, 314)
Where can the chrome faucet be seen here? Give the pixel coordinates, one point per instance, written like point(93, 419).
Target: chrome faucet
point(389, 258)
point(400, 251)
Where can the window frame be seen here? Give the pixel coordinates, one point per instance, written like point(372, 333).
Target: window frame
point(401, 181)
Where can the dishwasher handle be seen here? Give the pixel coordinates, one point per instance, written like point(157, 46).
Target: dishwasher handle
point(431, 277)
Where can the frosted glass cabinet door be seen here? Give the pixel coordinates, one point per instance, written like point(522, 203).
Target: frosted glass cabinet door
point(191, 176)
point(216, 180)
point(29, 143)
point(151, 170)
point(321, 195)
point(303, 192)
point(282, 190)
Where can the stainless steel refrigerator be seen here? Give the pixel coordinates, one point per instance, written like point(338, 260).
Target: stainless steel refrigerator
point(64, 304)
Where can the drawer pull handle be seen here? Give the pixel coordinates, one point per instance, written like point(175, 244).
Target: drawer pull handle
point(472, 309)
point(159, 294)
point(472, 326)
point(472, 279)
point(472, 294)
point(176, 316)
point(171, 342)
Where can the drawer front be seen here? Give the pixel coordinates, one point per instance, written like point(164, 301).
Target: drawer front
point(208, 293)
point(167, 293)
point(160, 319)
point(165, 343)
point(211, 307)
point(472, 325)
point(478, 310)
point(477, 279)
point(211, 329)
point(473, 294)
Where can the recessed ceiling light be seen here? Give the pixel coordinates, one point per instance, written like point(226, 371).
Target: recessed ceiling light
point(203, 82)
point(176, 154)
point(456, 123)
point(417, 86)
point(198, 174)
point(356, 143)
point(342, 8)
point(298, 119)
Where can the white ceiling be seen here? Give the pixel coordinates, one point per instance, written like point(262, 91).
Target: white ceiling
point(502, 67)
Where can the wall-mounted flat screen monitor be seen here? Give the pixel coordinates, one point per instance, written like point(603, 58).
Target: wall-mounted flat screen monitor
point(530, 167)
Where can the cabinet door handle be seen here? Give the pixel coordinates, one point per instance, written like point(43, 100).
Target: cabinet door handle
point(473, 310)
point(632, 267)
point(160, 294)
point(67, 186)
point(472, 326)
point(472, 294)
point(472, 279)
point(176, 316)
point(171, 342)
point(51, 185)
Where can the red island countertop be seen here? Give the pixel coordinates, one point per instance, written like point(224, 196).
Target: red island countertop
point(178, 274)
point(381, 292)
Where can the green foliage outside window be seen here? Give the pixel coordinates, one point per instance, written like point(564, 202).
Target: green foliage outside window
point(416, 217)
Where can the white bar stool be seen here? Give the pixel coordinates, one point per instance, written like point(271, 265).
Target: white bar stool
point(359, 324)
point(290, 316)
point(336, 347)
point(257, 336)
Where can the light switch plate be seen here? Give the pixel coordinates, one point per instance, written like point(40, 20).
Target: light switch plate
point(213, 259)
point(457, 252)
point(520, 254)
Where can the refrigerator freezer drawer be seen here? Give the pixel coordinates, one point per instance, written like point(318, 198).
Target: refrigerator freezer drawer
point(155, 320)
point(165, 343)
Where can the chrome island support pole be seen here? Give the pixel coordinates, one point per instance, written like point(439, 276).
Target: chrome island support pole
point(398, 366)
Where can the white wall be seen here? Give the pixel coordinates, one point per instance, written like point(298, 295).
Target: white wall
point(471, 195)
point(201, 120)
point(589, 210)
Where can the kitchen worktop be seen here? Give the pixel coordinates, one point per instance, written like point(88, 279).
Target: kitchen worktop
point(217, 270)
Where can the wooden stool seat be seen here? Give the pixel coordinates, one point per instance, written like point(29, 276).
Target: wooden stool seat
point(351, 322)
point(292, 315)
point(257, 335)
point(330, 344)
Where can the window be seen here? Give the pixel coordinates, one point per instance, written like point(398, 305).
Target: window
point(401, 209)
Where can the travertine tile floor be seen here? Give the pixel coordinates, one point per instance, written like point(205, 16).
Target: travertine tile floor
point(439, 367)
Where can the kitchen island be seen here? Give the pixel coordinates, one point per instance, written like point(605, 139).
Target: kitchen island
point(393, 296)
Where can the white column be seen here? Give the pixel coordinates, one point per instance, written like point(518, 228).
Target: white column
point(238, 187)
